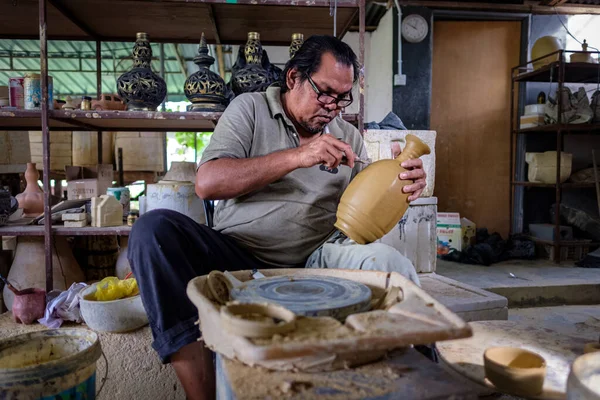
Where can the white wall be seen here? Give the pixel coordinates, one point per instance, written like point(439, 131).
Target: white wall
point(378, 68)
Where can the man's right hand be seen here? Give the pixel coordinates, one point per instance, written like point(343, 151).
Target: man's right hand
point(325, 150)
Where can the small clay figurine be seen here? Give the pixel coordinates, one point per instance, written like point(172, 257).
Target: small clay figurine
point(69, 104)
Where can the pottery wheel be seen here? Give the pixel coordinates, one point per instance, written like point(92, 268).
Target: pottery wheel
point(466, 355)
point(313, 296)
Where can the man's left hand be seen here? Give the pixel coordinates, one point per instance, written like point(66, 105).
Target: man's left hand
point(414, 172)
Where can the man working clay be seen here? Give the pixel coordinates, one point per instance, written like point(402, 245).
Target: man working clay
point(279, 177)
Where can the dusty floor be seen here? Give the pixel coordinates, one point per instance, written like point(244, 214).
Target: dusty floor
point(134, 370)
point(581, 321)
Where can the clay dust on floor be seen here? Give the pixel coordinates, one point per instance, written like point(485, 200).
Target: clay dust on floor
point(338, 385)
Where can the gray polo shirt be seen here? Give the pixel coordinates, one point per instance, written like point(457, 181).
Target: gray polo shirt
point(284, 222)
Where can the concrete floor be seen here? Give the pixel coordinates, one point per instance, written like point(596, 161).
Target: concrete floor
point(579, 321)
point(538, 282)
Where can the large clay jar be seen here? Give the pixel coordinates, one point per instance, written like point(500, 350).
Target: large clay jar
point(123, 267)
point(374, 202)
point(32, 198)
point(28, 270)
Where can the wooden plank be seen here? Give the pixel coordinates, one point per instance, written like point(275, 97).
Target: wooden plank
point(132, 121)
point(532, 7)
point(14, 148)
point(472, 168)
point(38, 230)
point(175, 21)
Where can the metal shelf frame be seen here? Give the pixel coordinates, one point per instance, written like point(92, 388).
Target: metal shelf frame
point(108, 120)
point(560, 72)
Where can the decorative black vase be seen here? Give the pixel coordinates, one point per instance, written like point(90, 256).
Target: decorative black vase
point(297, 41)
point(205, 89)
point(253, 72)
point(140, 88)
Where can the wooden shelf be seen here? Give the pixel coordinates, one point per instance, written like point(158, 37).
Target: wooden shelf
point(176, 21)
point(564, 243)
point(38, 230)
point(572, 129)
point(574, 73)
point(566, 185)
point(156, 121)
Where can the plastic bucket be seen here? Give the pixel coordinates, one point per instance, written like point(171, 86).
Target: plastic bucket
point(51, 364)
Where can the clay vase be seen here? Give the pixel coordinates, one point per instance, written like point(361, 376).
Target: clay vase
point(123, 268)
point(374, 203)
point(181, 171)
point(32, 198)
point(27, 270)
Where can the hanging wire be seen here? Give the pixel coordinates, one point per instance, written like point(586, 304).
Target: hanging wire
point(333, 13)
point(567, 29)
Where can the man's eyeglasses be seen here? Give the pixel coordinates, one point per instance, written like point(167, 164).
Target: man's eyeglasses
point(326, 99)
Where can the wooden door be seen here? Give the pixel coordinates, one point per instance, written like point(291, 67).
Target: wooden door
point(470, 110)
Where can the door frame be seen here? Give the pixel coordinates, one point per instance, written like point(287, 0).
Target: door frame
point(517, 147)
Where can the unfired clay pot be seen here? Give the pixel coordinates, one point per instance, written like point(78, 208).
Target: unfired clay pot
point(32, 198)
point(123, 268)
point(182, 171)
point(374, 202)
point(29, 306)
point(584, 378)
point(28, 270)
point(515, 371)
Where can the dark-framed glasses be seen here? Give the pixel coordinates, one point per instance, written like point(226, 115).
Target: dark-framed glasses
point(327, 99)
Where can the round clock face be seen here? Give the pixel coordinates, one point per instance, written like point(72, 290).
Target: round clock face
point(414, 28)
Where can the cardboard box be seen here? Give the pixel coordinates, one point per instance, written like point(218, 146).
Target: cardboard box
point(85, 183)
point(14, 148)
point(449, 233)
point(469, 232)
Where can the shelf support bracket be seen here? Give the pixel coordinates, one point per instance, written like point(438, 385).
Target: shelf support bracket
point(69, 15)
point(46, 144)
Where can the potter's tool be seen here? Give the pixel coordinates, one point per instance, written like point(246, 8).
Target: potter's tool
point(308, 295)
point(11, 287)
point(517, 277)
point(345, 159)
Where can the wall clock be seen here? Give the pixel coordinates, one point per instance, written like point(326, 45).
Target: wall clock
point(414, 28)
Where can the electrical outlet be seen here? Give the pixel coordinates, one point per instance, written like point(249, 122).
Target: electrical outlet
point(399, 80)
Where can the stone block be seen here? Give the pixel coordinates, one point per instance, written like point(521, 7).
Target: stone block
point(75, 224)
point(468, 302)
point(74, 217)
point(415, 235)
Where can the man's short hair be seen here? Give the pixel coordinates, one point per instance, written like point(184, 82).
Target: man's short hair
point(307, 59)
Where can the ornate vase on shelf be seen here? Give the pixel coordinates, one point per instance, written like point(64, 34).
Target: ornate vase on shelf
point(297, 40)
point(32, 198)
point(253, 72)
point(374, 202)
point(205, 89)
point(140, 88)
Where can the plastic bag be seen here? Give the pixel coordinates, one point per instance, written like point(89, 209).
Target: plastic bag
point(113, 288)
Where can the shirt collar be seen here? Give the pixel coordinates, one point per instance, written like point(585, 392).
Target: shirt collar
point(275, 106)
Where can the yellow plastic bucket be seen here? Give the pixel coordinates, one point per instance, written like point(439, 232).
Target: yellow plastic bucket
point(49, 365)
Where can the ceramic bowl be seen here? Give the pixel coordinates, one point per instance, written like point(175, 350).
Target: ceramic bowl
point(121, 315)
point(515, 371)
point(591, 347)
point(584, 379)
